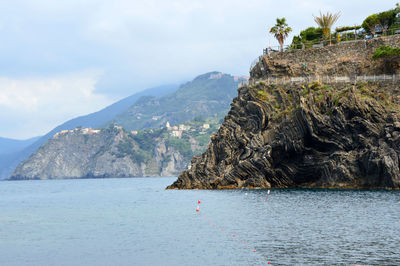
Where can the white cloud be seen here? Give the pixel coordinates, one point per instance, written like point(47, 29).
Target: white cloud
point(33, 106)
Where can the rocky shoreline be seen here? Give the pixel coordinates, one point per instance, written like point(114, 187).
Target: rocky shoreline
point(310, 136)
point(106, 153)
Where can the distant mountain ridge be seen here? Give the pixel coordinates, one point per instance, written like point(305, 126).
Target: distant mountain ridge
point(208, 95)
point(9, 161)
point(8, 145)
point(115, 152)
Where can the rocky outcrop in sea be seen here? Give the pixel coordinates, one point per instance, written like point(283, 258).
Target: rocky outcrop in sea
point(309, 134)
point(312, 136)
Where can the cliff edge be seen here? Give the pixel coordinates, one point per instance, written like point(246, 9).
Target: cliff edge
point(311, 135)
point(109, 152)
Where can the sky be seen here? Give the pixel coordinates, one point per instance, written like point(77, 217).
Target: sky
point(65, 58)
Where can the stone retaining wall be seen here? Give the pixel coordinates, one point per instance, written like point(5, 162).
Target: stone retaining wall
point(344, 59)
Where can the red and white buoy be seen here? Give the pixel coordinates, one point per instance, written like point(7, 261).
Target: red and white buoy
point(198, 206)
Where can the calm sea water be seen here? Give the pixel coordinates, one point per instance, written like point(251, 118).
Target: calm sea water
point(138, 222)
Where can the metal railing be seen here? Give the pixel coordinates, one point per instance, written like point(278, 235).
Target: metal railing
point(323, 79)
point(255, 61)
point(318, 44)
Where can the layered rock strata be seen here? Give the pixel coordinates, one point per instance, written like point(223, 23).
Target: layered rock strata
point(312, 136)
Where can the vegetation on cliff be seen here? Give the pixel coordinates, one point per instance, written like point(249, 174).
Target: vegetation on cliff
point(326, 21)
point(204, 101)
point(116, 152)
point(384, 23)
point(209, 95)
point(385, 51)
point(281, 31)
point(311, 136)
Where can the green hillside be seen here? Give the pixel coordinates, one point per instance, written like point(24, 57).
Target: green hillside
point(10, 158)
point(207, 96)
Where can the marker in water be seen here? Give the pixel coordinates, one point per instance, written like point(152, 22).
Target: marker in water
point(198, 208)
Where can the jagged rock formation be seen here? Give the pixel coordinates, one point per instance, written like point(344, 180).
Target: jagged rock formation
point(110, 152)
point(310, 136)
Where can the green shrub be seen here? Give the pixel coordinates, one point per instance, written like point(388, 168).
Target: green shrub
point(180, 145)
point(124, 147)
point(308, 35)
point(347, 28)
point(384, 51)
point(315, 85)
point(262, 95)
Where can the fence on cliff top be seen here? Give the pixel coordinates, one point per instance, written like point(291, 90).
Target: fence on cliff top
point(323, 79)
point(320, 43)
point(346, 37)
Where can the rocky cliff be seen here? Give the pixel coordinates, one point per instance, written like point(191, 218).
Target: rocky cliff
point(110, 152)
point(325, 136)
point(308, 135)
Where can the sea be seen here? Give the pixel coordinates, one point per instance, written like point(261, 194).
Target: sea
point(136, 221)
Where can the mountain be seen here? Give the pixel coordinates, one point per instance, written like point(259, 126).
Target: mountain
point(8, 162)
point(115, 152)
point(208, 95)
point(173, 123)
point(8, 146)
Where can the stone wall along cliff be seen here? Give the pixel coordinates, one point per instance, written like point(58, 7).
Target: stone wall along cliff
point(344, 59)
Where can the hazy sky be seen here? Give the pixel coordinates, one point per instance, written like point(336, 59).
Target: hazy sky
point(64, 58)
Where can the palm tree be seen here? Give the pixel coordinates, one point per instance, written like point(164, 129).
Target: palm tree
point(326, 21)
point(281, 31)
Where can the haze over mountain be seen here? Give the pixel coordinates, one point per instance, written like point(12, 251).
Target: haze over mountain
point(207, 96)
point(9, 159)
point(12, 145)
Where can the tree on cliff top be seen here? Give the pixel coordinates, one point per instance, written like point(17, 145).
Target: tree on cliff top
point(281, 31)
point(308, 35)
point(326, 21)
point(369, 24)
point(386, 19)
